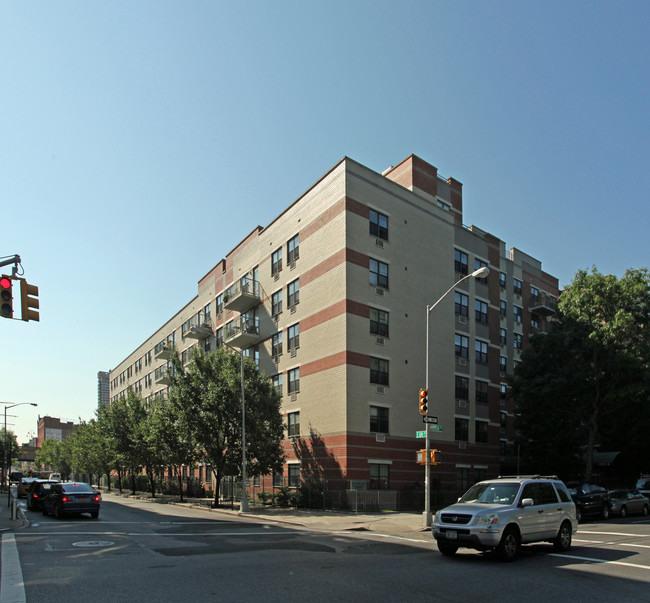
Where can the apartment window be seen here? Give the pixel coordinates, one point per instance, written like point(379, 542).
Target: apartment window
point(378, 225)
point(292, 249)
point(463, 482)
point(481, 349)
point(276, 261)
point(480, 264)
point(378, 322)
point(517, 313)
point(503, 364)
point(293, 334)
point(207, 344)
point(379, 419)
point(503, 308)
point(462, 346)
point(481, 392)
point(294, 380)
point(481, 432)
point(462, 429)
point(206, 312)
point(534, 321)
point(185, 356)
point(293, 291)
point(254, 353)
point(504, 419)
point(276, 344)
point(518, 340)
point(294, 424)
point(277, 383)
point(503, 392)
point(219, 337)
point(278, 479)
point(208, 474)
point(462, 388)
point(378, 274)
point(294, 475)
point(502, 280)
point(461, 304)
point(276, 303)
point(534, 295)
point(378, 371)
point(460, 262)
point(480, 309)
point(503, 336)
point(516, 286)
point(379, 476)
point(219, 304)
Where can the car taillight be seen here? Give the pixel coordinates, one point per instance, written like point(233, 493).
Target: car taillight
point(96, 499)
point(65, 499)
point(35, 495)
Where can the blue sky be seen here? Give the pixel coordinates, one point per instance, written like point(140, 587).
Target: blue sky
point(140, 141)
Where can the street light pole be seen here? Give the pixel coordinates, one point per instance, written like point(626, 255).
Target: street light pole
point(243, 507)
point(426, 516)
point(7, 456)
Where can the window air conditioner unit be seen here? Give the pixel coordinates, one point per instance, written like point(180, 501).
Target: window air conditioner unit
point(380, 437)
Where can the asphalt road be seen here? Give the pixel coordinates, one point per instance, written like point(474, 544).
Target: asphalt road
point(137, 551)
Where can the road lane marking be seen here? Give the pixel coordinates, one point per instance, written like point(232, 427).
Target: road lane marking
point(604, 561)
point(614, 534)
point(12, 587)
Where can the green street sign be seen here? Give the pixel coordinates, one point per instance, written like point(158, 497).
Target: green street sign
point(420, 434)
point(435, 427)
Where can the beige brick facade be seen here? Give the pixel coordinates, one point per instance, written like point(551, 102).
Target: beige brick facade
point(337, 354)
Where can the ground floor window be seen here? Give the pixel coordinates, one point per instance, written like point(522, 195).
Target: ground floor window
point(379, 476)
point(463, 478)
point(294, 475)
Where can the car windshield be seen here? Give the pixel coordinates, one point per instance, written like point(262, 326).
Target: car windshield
point(642, 483)
point(491, 493)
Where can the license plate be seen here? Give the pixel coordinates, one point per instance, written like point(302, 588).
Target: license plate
point(82, 500)
point(451, 535)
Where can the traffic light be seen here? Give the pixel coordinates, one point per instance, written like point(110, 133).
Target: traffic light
point(424, 401)
point(6, 297)
point(29, 301)
point(435, 456)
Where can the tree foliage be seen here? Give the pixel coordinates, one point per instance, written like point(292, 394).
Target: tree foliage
point(575, 381)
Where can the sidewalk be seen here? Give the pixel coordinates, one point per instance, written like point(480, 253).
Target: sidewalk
point(406, 525)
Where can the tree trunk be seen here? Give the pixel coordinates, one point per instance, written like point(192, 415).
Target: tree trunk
point(180, 482)
point(152, 483)
point(217, 486)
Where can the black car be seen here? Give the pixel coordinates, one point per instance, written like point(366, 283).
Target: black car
point(37, 491)
point(71, 497)
point(590, 499)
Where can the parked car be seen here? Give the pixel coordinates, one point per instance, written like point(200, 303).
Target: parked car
point(643, 485)
point(501, 514)
point(55, 476)
point(15, 477)
point(23, 486)
point(590, 500)
point(71, 497)
point(37, 491)
point(627, 502)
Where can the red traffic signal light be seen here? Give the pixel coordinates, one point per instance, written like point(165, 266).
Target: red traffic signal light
point(424, 401)
point(6, 297)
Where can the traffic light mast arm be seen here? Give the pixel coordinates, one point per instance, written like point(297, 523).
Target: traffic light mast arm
point(15, 259)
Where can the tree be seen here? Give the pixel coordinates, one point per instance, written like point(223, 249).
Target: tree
point(208, 396)
point(55, 455)
point(592, 367)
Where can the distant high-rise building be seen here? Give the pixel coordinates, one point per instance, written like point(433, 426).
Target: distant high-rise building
point(103, 388)
point(330, 300)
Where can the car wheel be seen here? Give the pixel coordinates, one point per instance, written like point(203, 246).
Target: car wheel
point(623, 511)
point(508, 549)
point(95, 514)
point(644, 512)
point(57, 512)
point(562, 542)
point(447, 549)
point(604, 512)
point(44, 511)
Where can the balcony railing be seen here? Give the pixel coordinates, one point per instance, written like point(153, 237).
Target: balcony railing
point(161, 376)
point(543, 304)
point(200, 329)
point(242, 295)
point(163, 350)
point(242, 334)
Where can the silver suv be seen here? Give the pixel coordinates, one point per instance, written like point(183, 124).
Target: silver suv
point(503, 513)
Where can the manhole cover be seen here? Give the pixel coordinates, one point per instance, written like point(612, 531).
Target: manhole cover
point(93, 543)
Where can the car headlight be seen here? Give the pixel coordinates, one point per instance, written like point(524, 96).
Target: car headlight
point(491, 519)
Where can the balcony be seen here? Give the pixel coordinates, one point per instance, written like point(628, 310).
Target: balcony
point(242, 296)
point(201, 330)
point(163, 350)
point(543, 304)
point(161, 376)
point(242, 334)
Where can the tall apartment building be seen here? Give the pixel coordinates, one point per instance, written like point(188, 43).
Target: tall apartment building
point(330, 300)
point(103, 388)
